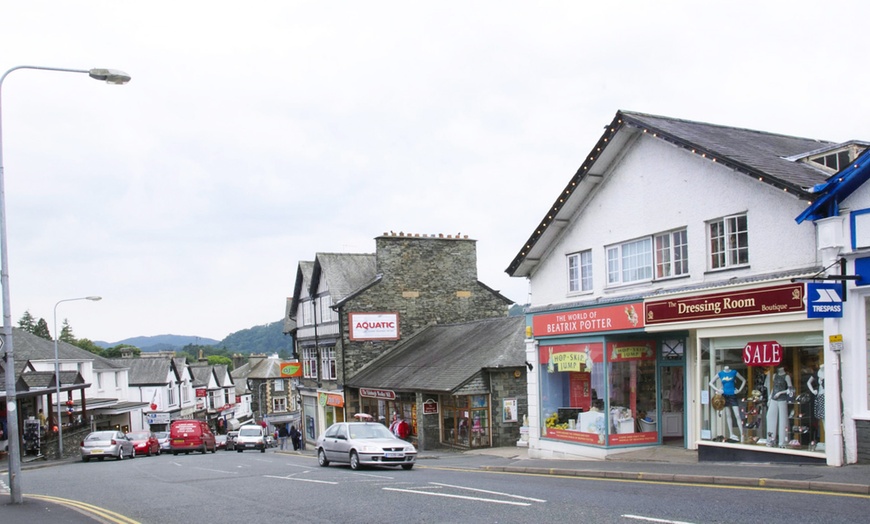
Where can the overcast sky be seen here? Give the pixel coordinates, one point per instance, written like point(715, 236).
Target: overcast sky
point(256, 134)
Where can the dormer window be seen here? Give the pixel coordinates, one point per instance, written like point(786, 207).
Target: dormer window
point(834, 161)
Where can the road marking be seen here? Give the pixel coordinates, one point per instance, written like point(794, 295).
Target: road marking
point(300, 480)
point(85, 508)
point(650, 519)
point(489, 492)
point(463, 497)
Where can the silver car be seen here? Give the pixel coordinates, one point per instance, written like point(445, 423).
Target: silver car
point(110, 443)
point(163, 439)
point(364, 444)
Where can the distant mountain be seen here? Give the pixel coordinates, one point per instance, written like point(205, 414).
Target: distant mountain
point(161, 342)
point(268, 338)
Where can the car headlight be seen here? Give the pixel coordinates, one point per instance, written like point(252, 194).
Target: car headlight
point(368, 448)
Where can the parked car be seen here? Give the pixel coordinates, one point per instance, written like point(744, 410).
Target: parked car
point(231, 440)
point(220, 441)
point(110, 443)
point(251, 436)
point(163, 439)
point(191, 435)
point(364, 444)
point(144, 442)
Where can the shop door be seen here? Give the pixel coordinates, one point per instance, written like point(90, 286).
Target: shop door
point(672, 378)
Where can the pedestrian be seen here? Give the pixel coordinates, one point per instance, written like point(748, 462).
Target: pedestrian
point(282, 436)
point(400, 428)
point(294, 437)
point(42, 421)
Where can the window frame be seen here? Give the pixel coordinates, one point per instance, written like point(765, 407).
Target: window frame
point(309, 362)
point(616, 265)
point(580, 271)
point(677, 254)
point(734, 249)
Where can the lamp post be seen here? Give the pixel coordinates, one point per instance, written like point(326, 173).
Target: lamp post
point(59, 419)
point(110, 76)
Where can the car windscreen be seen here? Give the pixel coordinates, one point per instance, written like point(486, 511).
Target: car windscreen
point(358, 431)
point(249, 432)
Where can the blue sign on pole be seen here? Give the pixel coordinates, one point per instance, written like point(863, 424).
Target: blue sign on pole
point(824, 300)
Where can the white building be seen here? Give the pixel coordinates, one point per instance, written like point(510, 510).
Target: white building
point(668, 270)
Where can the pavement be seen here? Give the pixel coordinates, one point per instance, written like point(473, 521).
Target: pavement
point(658, 464)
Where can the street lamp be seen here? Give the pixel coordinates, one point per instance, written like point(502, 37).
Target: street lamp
point(59, 419)
point(110, 76)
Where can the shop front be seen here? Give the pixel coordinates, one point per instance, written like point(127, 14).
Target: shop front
point(597, 381)
point(759, 372)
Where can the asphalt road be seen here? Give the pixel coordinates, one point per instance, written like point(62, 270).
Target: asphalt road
point(273, 487)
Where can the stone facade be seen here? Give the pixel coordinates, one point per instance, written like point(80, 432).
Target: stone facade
point(505, 384)
point(425, 280)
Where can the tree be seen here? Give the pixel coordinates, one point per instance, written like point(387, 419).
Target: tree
point(66, 333)
point(88, 345)
point(120, 349)
point(27, 322)
point(42, 330)
point(219, 360)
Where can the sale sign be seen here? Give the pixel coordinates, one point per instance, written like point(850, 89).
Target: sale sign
point(762, 354)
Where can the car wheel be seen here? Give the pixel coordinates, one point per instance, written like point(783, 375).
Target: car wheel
point(214, 449)
point(149, 453)
point(133, 453)
point(407, 466)
point(174, 453)
point(239, 450)
point(158, 452)
point(120, 453)
point(354, 460)
point(86, 459)
point(321, 458)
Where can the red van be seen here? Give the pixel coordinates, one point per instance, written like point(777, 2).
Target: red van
point(191, 435)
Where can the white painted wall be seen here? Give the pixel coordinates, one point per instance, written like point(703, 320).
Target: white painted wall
point(658, 187)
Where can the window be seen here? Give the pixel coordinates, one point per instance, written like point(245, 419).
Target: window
point(99, 381)
point(171, 389)
point(328, 360)
point(630, 262)
point(309, 362)
point(835, 161)
point(729, 242)
point(580, 271)
point(185, 392)
point(278, 385)
point(325, 312)
point(279, 404)
point(672, 254)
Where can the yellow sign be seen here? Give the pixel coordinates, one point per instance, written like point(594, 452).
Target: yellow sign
point(570, 361)
point(836, 338)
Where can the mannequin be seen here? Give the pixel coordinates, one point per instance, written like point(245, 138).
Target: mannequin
point(726, 378)
point(819, 405)
point(781, 390)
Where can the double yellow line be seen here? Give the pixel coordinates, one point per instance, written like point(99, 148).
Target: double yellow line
point(87, 509)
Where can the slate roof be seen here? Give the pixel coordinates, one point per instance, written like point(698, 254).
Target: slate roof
point(770, 158)
point(266, 368)
point(149, 371)
point(201, 375)
point(346, 273)
point(441, 358)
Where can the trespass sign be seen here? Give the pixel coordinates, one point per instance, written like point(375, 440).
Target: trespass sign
point(374, 326)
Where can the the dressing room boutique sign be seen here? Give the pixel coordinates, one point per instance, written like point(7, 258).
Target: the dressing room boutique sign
point(787, 298)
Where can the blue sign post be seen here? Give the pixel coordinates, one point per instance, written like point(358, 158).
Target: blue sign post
point(824, 300)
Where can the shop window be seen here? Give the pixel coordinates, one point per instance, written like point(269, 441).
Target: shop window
point(779, 406)
point(598, 397)
point(465, 421)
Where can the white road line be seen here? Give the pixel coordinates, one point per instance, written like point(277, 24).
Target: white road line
point(489, 492)
point(300, 480)
point(650, 519)
point(478, 499)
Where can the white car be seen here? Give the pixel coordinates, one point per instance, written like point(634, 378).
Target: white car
point(364, 444)
point(250, 436)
